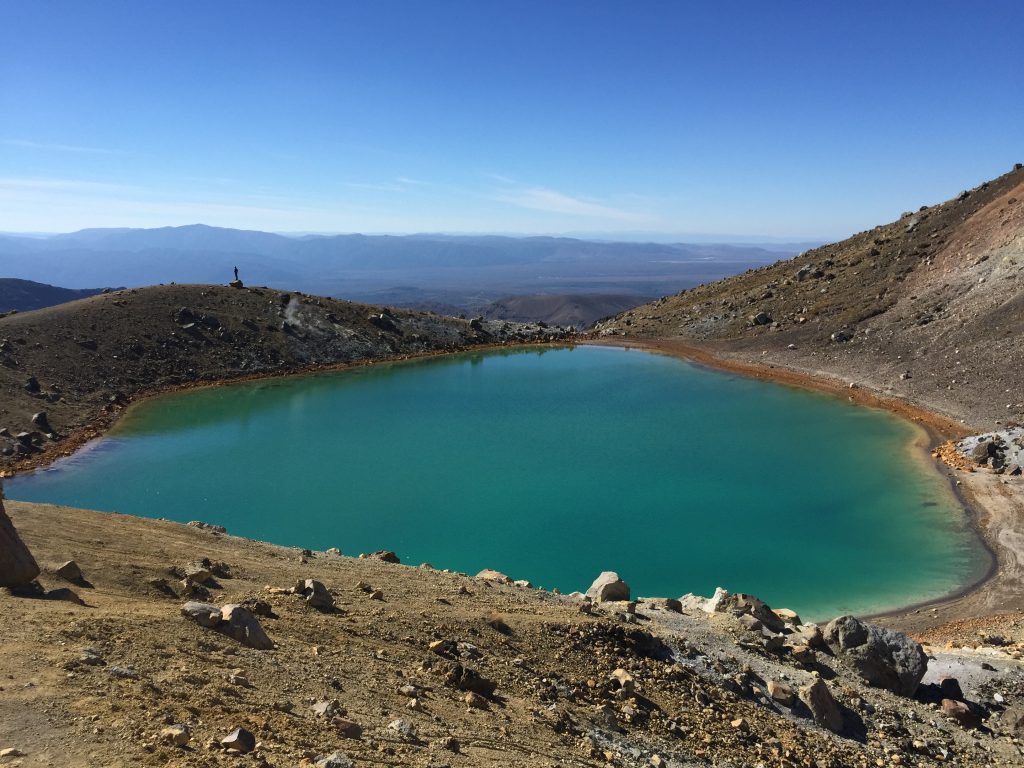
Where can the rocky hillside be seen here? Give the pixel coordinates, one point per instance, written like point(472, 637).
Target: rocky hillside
point(179, 645)
point(929, 307)
point(23, 295)
point(79, 363)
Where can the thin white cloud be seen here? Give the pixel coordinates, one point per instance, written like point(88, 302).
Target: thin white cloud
point(61, 185)
point(502, 179)
point(47, 147)
point(47, 204)
point(400, 184)
point(375, 186)
point(550, 201)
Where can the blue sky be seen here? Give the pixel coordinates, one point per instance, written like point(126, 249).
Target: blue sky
point(785, 120)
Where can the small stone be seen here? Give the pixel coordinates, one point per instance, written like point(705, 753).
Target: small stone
point(69, 571)
point(347, 729)
point(238, 622)
point(239, 680)
point(204, 614)
point(491, 575)
point(624, 680)
point(317, 595)
point(449, 743)
point(125, 673)
point(176, 735)
point(197, 573)
point(239, 740)
point(327, 708)
point(781, 693)
point(335, 760)
point(403, 728)
point(740, 724)
point(824, 709)
point(377, 595)
point(664, 604)
point(802, 654)
point(385, 555)
point(960, 712)
point(443, 647)
point(11, 752)
point(91, 658)
point(476, 701)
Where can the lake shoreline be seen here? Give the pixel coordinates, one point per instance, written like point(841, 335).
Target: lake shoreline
point(996, 519)
point(920, 446)
point(974, 600)
point(103, 422)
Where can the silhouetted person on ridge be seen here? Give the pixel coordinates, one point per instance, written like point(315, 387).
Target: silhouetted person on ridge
point(236, 273)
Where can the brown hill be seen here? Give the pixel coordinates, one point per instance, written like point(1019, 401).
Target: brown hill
point(23, 295)
point(928, 308)
point(81, 362)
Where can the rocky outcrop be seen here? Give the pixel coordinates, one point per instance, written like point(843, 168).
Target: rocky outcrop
point(17, 566)
point(740, 604)
point(1001, 452)
point(882, 657)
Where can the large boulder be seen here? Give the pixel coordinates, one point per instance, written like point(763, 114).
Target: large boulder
point(608, 586)
point(17, 566)
point(882, 657)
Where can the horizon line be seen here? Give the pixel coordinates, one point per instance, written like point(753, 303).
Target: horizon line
point(623, 236)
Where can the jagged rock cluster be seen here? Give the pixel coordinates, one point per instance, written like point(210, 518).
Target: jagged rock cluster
point(1001, 451)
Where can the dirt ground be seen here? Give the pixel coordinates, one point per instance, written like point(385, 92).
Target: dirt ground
point(96, 683)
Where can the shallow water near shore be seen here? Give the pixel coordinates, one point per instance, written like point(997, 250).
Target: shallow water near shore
point(551, 464)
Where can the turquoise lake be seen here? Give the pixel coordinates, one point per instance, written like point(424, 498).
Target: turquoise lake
point(551, 465)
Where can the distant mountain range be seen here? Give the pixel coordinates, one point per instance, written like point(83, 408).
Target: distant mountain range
point(461, 271)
